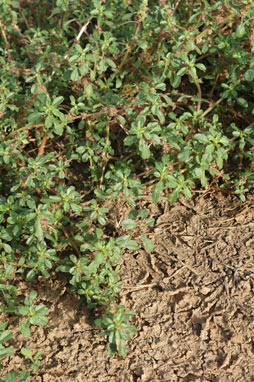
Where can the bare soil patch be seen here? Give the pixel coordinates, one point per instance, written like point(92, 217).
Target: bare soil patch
point(192, 298)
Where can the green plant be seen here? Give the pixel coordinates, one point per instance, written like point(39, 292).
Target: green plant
point(116, 328)
point(36, 315)
point(101, 101)
point(35, 363)
point(5, 335)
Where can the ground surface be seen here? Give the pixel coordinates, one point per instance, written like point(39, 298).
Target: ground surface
point(192, 298)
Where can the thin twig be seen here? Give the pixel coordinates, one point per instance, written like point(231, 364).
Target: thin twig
point(176, 6)
point(66, 233)
point(212, 107)
point(105, 155)
point(199, 95)
point(138, 287)
point(43, 143)
point(24, 17)
point(82, 30)
point(4, 35)
point(26, 127)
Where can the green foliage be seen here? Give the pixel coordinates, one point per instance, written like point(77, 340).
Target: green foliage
point(36, 315)
point(35, 363)
point(5, 335)
point(101, 101)
point(116, 328)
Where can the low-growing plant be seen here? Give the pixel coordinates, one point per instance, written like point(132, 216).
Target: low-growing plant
point(101, 101)
point(116, 328)
point(35, 362)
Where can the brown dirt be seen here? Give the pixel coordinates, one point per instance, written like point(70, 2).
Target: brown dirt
point(192, 298)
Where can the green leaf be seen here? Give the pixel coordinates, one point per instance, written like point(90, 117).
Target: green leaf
point(127, 242)
point(171, 181)
point(111, 349)
point(38, 230)
point(242, 197)
point(23, 310)
point(73, 58)
point(49, 121)
point(101, 220)
point(40, 320)
point(174, 195)
point(34, 117)
point(240, 31)
point(157, 191)
point(128, 141)
point(150, 222)
point(3, 325)
point(200, 174)
point(121, 348)
point(144, 148)
point(58, 100)
point(224, 140)
point(66, 206)
point(88, 90)
point(31, 275)
point(201, 138)
point(142, 44)
point(209, 150)
point(156, 111)
point(41, 309)
point(182, 71)
point(31, 297)
point(161, 86)
point(148, 244)
point(111, 63)
point(58, 128)
point(24, 328)
point(58, 113)
point(55, 198)
point(121, 119)
point(185, 155)
point(143, 213)
point(75, 75)
point(27, 353)
point(194, 72)
point(242, 102)
point(5, 336)
point(187, 192)
point(176, 82)
point(201, 67)
point(118, 83)
point(249, 75)
point(76, 208)
point(129, 224)
point(6, 351)
point(12, 376)
point(7, 248)
point(112, 334)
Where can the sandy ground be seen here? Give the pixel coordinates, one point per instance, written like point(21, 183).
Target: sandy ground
point(192, 298)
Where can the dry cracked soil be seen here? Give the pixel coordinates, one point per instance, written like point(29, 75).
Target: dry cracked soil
point(192, 298)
